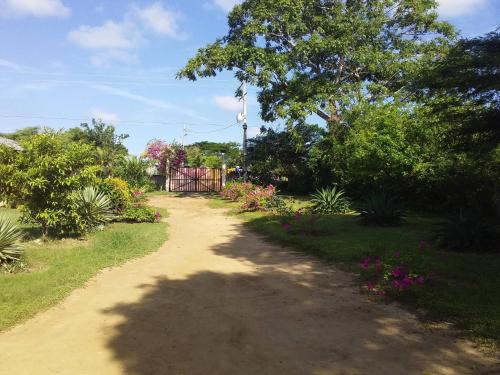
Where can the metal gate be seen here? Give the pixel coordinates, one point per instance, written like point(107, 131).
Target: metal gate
point(195, 179)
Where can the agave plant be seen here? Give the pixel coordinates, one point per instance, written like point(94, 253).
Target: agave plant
point(10, 235)
point(330, 201)
point(467, 230)
point(94, 207)
point(380, 209)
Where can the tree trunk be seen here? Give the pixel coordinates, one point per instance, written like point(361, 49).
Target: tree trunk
point(332, 121)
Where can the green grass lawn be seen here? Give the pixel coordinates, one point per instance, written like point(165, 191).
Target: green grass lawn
point(464, 290)
point(58, 267)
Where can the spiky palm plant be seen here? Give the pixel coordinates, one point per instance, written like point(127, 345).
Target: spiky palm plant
point(330, 201)
point(10, 235)
point(94, 207)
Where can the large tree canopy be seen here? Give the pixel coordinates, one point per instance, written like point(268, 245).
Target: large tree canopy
point(465, 91)
point(321, 56)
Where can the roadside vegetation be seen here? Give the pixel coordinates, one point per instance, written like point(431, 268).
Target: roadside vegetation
point(395, 260)
point(73, 203)
point(53, 268)
point(391, 128)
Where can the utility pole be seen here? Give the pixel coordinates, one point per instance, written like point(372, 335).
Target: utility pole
point(184, 134)
point(245, 126)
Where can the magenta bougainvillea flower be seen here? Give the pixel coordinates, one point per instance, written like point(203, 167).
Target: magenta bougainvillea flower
point(365, 263)
point(397, 272)
point(393, 274)
point(422, 245)
point(161, 152)
point(287, 226)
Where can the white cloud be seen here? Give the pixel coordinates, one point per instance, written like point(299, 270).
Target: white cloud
point(454, 8)
point(37, 8)
point(9, 65)
point(228, 103)
point(159, 20)
point(107, 117)
point(226, 5)
point(114, 40)
point(155, 103)
point(103, 58)
point(110, 35)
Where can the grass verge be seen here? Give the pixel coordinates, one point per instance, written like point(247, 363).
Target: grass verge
point(60, 266)
point(464, 290)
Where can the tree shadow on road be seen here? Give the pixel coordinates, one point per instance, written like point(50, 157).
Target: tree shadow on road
point(289, 315)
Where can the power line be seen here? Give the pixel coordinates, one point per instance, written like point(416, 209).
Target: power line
point(33, 117)
point(138, 77)
point(210, 131)
point(149, 82)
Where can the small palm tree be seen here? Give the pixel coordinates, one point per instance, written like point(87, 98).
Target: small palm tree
point(10, 235)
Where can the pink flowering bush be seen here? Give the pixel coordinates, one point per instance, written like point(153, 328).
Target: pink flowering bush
point(138, 198)
point(256, 199)
point(253, 197)
point(391, 274)
point(161, 152)
point(236, 190)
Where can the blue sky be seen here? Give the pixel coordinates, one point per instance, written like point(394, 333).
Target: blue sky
point(63, 62)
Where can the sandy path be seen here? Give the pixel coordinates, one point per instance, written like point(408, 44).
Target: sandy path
point(217, 299)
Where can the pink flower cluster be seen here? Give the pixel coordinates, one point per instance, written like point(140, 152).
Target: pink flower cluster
point(256, 199)
point(390, 275)
point(162, 152)
point(236, 190)
point(296, 217)
point(137, 194)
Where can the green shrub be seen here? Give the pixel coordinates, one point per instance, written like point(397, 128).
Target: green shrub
point(93, 207)
point(43, 178)
point(467, 230)
point(141, 214)
point(278, 205)
point(330, 201)
point(118, 192)
point(134, 170)
point(10, 235)
point(380, 209)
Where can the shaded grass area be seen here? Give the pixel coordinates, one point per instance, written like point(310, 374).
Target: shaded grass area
point(30, 231)
point(464, 289)
point(60, 266)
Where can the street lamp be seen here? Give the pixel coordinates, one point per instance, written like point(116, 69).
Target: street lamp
point(242, 119)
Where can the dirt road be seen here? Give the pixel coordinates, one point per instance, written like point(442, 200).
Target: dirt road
point(217, 299)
